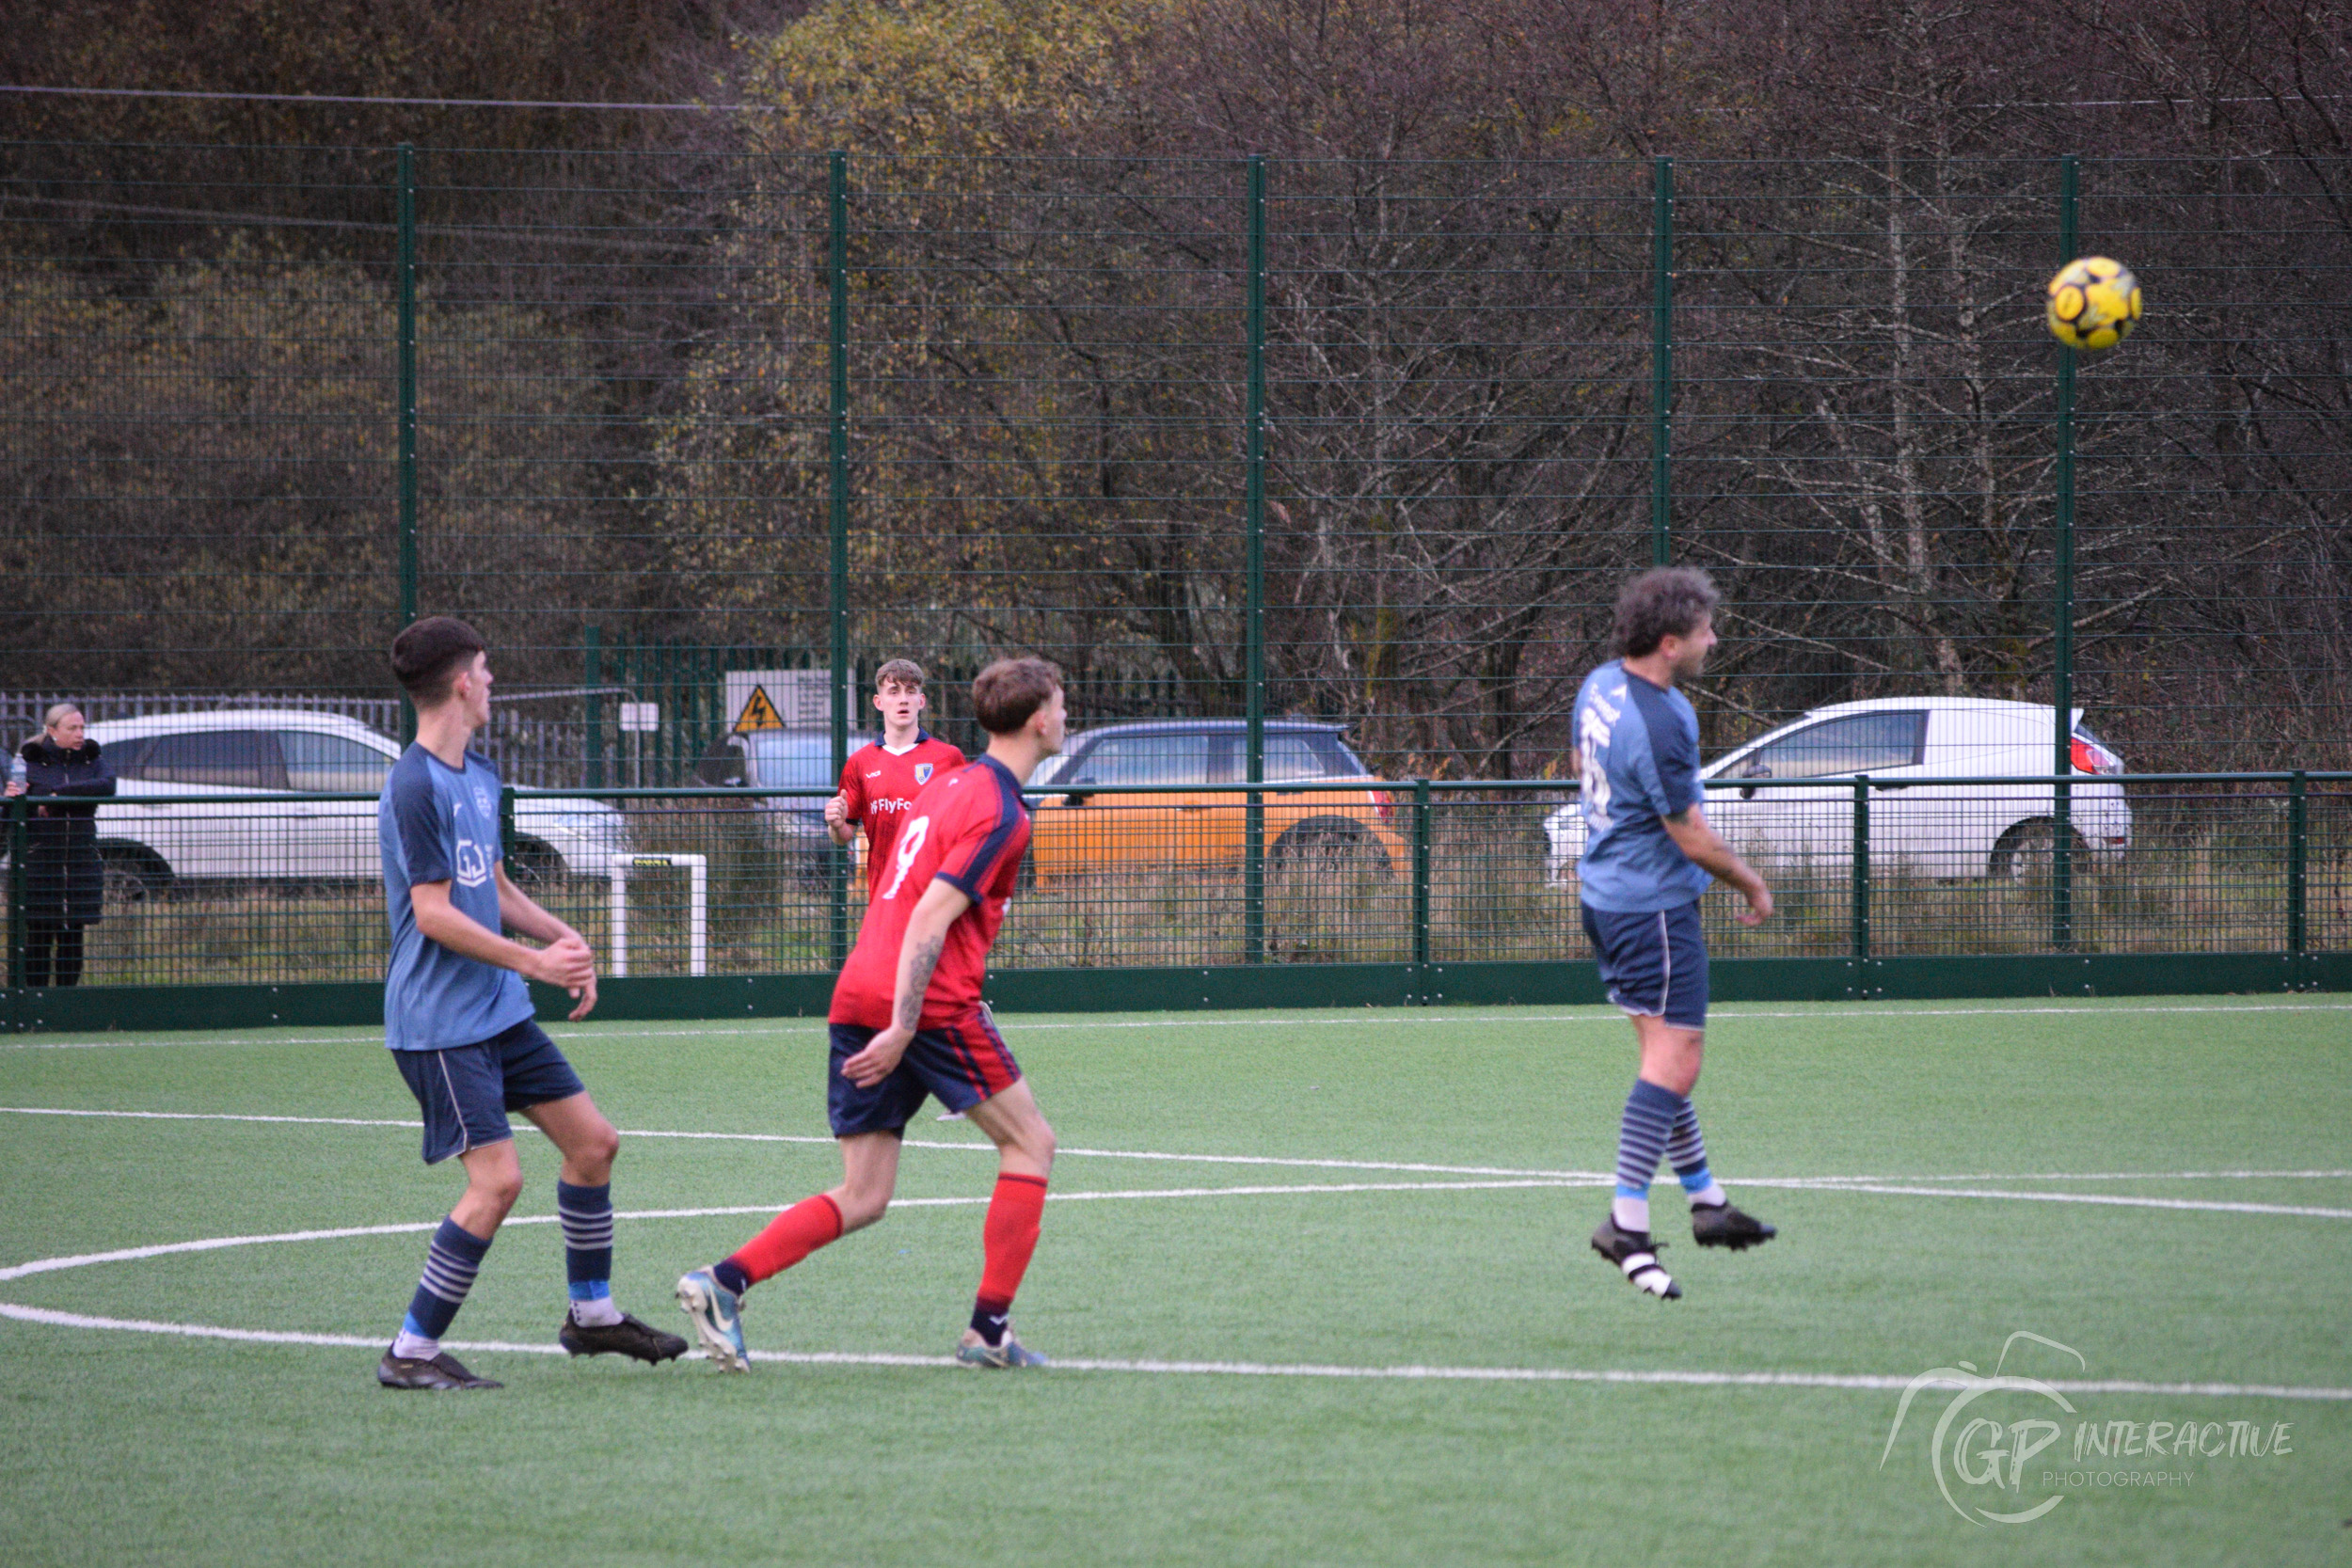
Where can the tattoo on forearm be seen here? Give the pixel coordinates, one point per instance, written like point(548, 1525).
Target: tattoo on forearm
point(922, 957)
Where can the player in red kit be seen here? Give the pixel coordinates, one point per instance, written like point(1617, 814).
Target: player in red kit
point(880, 782)
point(907, 1024)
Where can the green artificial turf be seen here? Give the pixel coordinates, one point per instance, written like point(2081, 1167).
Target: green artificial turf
point(137, 1447)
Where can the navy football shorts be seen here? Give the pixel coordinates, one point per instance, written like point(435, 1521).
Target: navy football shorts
point(466, 1090)
point(1655, 965)
point(961, 1064)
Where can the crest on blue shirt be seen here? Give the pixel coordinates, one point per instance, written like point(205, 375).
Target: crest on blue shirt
point(922, 774)
point(480, 799)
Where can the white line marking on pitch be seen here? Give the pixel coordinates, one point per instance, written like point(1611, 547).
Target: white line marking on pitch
point(2106, 1200)
point(205, 1115)
point(1888, 1185)
point(966, 1144)
point(2081, 1176)
point(1389, 1017)
point(1866, 1381)
point(216, 1244)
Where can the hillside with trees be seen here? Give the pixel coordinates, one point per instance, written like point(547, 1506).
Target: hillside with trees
point(624, 384)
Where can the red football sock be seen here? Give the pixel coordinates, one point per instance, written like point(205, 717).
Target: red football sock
point(812, 1223)
point(1008, 1239)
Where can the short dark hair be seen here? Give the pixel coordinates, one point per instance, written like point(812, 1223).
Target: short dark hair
point(1667, 601)
point(428, 656)
point(904, 671)
point(1008, 693)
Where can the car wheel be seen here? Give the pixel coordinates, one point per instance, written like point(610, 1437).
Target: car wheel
point(1329, 845)
point(2023, 853)
point(135, 874)
point(532, 865)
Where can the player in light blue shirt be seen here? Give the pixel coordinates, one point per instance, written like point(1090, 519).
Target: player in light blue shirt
point(458, 1019)
point(439, 824)
point(1648, 855)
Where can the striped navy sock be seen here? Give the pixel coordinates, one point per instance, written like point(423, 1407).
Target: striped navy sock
point(450, 1266)
point(1688, 1150)
point(586, 1216)
point(1649, 1119)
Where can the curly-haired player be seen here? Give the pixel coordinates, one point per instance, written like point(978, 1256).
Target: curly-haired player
point(1648, 855)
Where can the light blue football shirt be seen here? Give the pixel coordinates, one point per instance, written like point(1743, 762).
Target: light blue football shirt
point(1638, 752)
point(436, 823)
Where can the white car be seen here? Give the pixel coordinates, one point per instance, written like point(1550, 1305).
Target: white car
point(277, 751)
point(1927, 824)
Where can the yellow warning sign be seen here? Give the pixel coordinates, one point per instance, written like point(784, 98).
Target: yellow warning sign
point(758, 714)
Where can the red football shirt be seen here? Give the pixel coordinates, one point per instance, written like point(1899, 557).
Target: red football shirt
point(882, 786)
point(968, 828)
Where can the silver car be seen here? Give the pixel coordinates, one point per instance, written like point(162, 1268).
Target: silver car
point(783, 759)
point(277, 751)
point(1929, 823)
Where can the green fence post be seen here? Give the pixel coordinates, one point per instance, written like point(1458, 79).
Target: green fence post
point(663, 680)
point(2062, 612)
point(1661, 361)
point(1253, 853)
point(18, 847)
point(628, 753)
point(592, 707)
point(405, 202)
point(2299, 862)
point(837, 568)
point(1420, 889)
point(1860, 898)
point(506, 818)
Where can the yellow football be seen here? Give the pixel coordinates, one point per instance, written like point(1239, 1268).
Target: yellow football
point(2094, 304)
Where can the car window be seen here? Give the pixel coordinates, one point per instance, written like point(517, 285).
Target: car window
point(231, 759)
point(1145, 759)
point(1340, 760)
point(1300, 756)
point(791, 759)
point(333, 763)
point(1856, 744)
point(128, 758)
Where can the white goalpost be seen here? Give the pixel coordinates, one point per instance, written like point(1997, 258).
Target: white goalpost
point(697, 868)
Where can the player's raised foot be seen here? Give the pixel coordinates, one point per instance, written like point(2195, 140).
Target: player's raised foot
point(1636, 1255)
point(631, 1337)
point(1721, 1225)
point(441, 1371)
point(973, 1351)
point(718, 1314)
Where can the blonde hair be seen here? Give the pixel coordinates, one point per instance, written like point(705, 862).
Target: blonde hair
point(57, 713)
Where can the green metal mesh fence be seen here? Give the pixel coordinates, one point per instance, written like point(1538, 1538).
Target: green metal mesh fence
point(232, 887)
point(1238, 443)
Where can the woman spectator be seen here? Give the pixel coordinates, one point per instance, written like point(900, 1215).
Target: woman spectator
point(65, 881)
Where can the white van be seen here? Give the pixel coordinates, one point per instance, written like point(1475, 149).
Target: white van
point(1925, 824)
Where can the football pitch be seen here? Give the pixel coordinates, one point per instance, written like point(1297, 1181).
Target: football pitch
point(1316, 1286)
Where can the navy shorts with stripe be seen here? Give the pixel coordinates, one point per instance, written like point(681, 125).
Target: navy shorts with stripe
point(961, 1064)
point(466, 1090)
point(1654, 964)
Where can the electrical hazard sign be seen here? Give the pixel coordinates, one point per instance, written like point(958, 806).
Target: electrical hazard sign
point(758, 714)
point(766, 700)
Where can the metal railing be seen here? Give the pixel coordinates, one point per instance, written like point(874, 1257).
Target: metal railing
point(209, 889)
